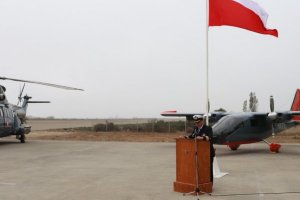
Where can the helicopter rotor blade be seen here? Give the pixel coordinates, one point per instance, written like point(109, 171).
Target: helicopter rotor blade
point(41, 83)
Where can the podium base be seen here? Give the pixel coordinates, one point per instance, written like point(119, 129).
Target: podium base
point(188, 188)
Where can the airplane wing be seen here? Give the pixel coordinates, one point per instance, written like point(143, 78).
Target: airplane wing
point(295, 115)
point(174, 113)
point(283, 117)
point(213, 116)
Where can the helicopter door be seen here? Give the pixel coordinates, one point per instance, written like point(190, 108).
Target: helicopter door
point(8, 121)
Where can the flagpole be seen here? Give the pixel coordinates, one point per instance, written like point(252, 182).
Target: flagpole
point(207, 72)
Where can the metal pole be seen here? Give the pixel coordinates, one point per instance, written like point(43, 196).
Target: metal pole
point(207, 63)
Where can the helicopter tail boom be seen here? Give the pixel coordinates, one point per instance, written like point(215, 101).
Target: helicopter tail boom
point(38, 102)
point(21, 111)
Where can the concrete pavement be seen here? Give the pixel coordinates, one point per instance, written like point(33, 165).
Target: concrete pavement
point(77, 170)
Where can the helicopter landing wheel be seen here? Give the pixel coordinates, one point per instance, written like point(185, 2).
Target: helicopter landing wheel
point(22, 138)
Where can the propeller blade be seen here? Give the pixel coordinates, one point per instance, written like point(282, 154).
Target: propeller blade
point(271, 103)
point(272, 115)
point(41, 83)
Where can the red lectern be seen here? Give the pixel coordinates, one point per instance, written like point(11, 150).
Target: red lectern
point(186, 166)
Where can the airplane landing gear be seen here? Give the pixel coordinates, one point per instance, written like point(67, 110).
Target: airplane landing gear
point(233, 147)
point(274, 147)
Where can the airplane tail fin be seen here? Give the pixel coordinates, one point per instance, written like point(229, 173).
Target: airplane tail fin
point(296, 104)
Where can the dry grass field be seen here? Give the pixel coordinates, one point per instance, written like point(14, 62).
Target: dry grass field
point(105, 136)
point(44, 129)
point(50, 124)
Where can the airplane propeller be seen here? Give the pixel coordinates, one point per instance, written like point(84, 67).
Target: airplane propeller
point(272, 115)
point(41, 83)
point(271, 103)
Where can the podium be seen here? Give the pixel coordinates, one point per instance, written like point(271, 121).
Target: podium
point(186, 166)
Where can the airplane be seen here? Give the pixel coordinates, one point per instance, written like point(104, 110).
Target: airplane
point(13, 117)
point(234, 129)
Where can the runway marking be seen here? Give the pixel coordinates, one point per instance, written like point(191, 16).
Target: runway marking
point(10, 184)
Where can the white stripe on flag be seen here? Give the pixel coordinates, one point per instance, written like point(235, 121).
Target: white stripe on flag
point(263, 15)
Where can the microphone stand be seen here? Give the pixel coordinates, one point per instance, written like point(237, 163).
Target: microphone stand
point(197, 188)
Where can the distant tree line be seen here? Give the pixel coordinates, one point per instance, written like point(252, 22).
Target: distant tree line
point(158, 126)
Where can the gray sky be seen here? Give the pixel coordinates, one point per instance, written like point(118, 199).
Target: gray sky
point(137, 58)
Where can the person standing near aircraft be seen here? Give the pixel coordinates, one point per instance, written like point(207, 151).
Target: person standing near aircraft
point(203, 132)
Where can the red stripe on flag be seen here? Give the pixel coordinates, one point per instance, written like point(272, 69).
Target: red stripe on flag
point(231, 13)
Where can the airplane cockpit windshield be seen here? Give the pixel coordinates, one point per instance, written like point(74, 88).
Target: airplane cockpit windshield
point(228, 124)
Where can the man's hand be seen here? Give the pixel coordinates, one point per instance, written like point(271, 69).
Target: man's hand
point(199, 137)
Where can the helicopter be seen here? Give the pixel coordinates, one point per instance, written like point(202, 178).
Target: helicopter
point(13, 117)
point(234, 129)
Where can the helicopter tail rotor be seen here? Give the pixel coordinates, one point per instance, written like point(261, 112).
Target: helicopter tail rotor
point(20, 95)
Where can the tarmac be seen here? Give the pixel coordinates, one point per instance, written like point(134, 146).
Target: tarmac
point(81, 170)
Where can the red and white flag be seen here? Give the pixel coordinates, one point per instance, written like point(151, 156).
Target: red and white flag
point(244, 14)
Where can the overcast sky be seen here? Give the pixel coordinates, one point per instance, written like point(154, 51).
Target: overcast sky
point(137, 58)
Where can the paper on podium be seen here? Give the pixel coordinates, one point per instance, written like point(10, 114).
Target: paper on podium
point(216, 169)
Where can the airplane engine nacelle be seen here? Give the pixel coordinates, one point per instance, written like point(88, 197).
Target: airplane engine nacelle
point(272, 115)
point(278, 117)
point(283, 117)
